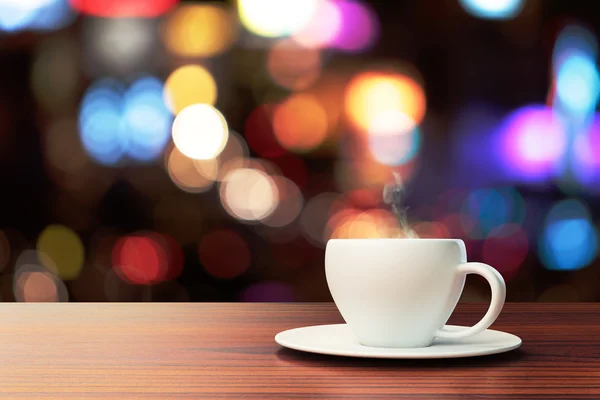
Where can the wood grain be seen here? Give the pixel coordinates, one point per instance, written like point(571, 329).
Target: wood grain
point(226, 351)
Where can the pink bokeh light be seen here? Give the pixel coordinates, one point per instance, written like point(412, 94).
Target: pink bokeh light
point(359, 27)
point(533, 140)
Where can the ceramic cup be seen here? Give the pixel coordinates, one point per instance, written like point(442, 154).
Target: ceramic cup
point(399, 293)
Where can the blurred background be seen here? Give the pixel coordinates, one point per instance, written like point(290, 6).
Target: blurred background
point(164, 150)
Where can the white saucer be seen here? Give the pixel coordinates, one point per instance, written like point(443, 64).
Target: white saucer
point(338, 340)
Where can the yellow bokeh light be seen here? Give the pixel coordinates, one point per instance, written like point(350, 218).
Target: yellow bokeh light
point(300, 123)
point(200, 132)
point(64, 248)
point(188, 85)
point(249, 194)
point(273, 18)
point(193, 176)
point(292, 66)
point(370, 95)
point(200, 30)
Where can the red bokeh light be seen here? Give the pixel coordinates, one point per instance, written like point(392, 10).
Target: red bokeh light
point(224, 254)
point(175, 257)
point(506, 253)
point(259, 132)
point(123, 8)
point(140, 260)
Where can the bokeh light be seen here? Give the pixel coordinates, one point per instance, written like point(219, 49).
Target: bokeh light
point(192, 176)
point(140, 259)
point(574, 38)
point(289, 205)
point(577, 83)
point(431, 230)
point(486, 210)
point(493, 9)
point(292, 66)
point(394, 139)
point(39, 15)
point(189, 85)
point(34, 279)
point(586, 156)
point(249, 194)
point(147, 120)
point(359, 27)
point(372, 97)
point(200, 30)
point(100, 122)
point(300, 123)
point(65, 249)
point(224, 254)
point(37, 286)
point(323, 27)
point(533, 140)
point(123, 8)
point(234, 155)
point(569, 240)
point(119, 46)
point(274, 18)
point(115, 122)
point(506, 248)
point(371, 224)
point(200, 132)
point(315, 216)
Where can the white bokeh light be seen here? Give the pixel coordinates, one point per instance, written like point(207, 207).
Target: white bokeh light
point(200, 132)
point(275, 18)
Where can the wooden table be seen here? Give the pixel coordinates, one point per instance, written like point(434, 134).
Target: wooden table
point(223, 351)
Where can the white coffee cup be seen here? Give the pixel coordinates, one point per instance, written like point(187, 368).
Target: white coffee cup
point(399, 293)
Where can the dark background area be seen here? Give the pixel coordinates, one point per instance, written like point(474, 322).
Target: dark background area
point(475, 73)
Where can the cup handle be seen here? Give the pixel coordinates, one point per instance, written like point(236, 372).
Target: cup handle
point(498, 296)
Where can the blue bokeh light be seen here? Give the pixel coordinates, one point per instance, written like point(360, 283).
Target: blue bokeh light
point(569, 240)
point(54, 15)
point(577, 83)
point(15, 15)
point(147, 119)
point(44, 15)
point(493, 9)
point(115, 122)
point(100, 123)
point(487, 210)
point(574, 38)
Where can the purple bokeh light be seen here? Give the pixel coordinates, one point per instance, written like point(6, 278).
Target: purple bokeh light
point(359, 27)
point(586, 156)
point(532, 142)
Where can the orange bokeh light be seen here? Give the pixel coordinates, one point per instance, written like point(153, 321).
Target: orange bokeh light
point(300, 123)
point(373, 95)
